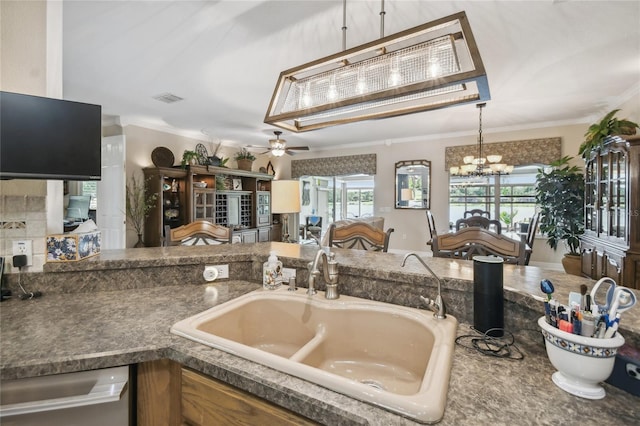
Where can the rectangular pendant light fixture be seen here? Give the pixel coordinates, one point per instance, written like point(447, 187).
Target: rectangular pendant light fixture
point(431, 66)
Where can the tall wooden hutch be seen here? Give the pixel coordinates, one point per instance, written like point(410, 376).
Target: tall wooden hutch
point(234, 198)
point(610, 245)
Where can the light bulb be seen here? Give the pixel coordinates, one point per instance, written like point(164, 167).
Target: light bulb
point(306, 96)
point(394, 76)
point(361, 85)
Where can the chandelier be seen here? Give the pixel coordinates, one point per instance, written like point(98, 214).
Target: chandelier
point(431, 66)
point(481, 165)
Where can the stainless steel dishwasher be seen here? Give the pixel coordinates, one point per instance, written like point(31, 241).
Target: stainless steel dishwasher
point(97, 398)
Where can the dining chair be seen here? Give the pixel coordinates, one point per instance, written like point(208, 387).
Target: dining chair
point(313, 226)
point(200, 232)
point(474, 241)
point(477, 212)
point(431, 223)
point(531, 236)
point(360, 236)
point(478, 221)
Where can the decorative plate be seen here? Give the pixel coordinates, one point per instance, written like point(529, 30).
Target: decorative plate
point(162, 157)
point(203, 155)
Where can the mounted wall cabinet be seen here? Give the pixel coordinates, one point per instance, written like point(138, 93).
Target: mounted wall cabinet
point(610, 246)
point(237, 199)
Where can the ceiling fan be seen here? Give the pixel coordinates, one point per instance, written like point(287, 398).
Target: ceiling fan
point(278, 147)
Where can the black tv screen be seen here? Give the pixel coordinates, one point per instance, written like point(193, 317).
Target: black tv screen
point(45, 138)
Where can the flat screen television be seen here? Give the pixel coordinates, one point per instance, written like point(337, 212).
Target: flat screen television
point(45, 138)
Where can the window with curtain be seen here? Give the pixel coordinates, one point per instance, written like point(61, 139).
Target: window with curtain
point(509, 198)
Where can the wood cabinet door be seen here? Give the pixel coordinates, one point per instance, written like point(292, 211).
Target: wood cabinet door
point(206, 401)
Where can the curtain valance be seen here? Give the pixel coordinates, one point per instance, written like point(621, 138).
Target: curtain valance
point(334, 166)
point(517, 153)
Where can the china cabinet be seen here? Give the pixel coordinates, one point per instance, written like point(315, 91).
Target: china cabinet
point(170, 206)
point(610, 246)
point(237, 199)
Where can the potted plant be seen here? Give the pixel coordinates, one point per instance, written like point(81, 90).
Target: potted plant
point(560, 196)
point(608, 126)
point(507, 218)
point(189, 158)
point(245, 159)
point(138, 205)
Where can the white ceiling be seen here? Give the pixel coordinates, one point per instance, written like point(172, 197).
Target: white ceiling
point(548, 62)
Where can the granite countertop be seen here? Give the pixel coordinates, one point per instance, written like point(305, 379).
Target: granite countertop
point(64, 332)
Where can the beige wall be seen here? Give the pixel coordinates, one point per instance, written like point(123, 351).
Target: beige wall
point(30, 62)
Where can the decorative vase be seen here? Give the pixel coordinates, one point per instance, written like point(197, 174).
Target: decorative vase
point(140, 243)
point(572, 264)
point(245, 164)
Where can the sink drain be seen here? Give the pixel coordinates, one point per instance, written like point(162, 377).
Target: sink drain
point(373, 384)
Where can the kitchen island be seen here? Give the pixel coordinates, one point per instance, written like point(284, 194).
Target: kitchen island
point(117, 309)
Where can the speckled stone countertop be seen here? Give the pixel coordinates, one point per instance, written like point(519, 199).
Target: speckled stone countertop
point(101, 321)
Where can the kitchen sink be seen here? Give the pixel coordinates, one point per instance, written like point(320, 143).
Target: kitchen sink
point(392, 356)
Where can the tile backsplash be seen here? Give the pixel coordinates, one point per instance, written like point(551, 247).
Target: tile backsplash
point(23, 217)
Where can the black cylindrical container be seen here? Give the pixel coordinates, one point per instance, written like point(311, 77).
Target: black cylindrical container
point(488, 295)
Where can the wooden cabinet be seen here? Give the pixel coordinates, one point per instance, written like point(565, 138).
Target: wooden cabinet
point(610, 245)
point(170, 208)
point(206, 401)
point(234, 198)
point(264, 234)
point(168, 394)
point(247, 236)
point(204, 204)
point(233, 209)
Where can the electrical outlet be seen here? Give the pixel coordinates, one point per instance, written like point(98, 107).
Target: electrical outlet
point(24, 247)
point(223, 270)
point(288, 273)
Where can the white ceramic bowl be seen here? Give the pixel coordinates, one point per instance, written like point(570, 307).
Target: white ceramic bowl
point(582, 362)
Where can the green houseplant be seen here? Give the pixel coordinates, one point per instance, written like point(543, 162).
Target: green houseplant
point(189, 158)
point(608, 126)
point(560, 196)
point(138, 205)
point(245, 159)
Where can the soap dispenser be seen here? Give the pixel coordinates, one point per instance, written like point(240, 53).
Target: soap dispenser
point(272, 272)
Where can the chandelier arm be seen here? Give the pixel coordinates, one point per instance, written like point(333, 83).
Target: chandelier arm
point(480, 166)
point(480, 157)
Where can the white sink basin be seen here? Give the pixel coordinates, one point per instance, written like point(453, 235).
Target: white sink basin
point(392, 356)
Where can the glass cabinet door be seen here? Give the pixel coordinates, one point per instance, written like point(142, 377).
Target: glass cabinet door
point(590, 194)
point(264, 208)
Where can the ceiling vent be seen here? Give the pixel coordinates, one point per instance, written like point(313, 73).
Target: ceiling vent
point(168, 98)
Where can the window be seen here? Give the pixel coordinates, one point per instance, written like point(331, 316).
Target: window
point(91, 188)
point(516, 203)
point(338, 197)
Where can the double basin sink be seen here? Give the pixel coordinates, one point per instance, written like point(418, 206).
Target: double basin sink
point(391, 356)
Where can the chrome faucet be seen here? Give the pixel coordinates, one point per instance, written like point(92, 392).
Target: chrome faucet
point(437, 306)
point(328, 265)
